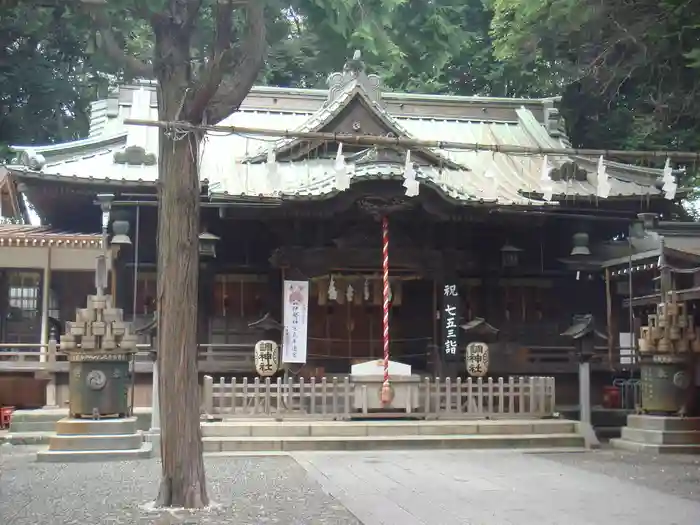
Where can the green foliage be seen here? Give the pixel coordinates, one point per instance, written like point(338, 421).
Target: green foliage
point(628, 70)
point(48, 74)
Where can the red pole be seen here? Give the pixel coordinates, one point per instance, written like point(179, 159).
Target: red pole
point(386, 395)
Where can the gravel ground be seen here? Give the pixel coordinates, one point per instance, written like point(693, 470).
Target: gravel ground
point(247, 491)
point(677, 475)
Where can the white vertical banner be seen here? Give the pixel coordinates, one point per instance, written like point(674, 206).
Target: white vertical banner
point(296, 316)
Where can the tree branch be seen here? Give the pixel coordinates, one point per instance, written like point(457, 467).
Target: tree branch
point(212, 75)
point(114, 51)
point(245, 66)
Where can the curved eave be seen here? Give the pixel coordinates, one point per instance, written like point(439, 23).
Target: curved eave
point(73, 146)
point(24, 172)
point(324, 190)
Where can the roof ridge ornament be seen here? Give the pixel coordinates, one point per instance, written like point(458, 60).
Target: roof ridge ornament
point(354, 72)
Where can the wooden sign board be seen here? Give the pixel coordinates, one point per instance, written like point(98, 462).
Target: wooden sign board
point(450, 316)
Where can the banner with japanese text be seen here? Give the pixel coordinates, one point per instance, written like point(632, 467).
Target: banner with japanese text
point(450, 322)
point(296, 312)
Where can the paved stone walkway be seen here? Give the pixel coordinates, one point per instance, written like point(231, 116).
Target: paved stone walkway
point(503, 488)
point(381, 488)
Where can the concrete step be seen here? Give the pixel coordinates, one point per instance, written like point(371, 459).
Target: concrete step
point(32, 426)
point(492, 441)
point(65, 456)
point(652, 448)
point(29, 438)
point(95, 442)
point(663, 423)
point(661, 437)
point(102, 427)
point(339, 429)
point(44, 419)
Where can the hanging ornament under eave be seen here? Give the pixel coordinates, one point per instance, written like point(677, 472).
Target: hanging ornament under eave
point(491, 191)
point(602, 183)
point(365, 292)
point(409, 177)
point(546, 179)
point(547, 192)
point(670, 191)
point(342, 178)
point(332, 290)
point(350, 293)
point(670, 187)
point(272, 169)
point(546, 170)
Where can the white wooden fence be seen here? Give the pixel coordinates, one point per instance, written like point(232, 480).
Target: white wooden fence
point(343, 398)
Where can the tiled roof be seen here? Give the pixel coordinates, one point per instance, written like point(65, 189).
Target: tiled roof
point(25, 235)
point(496, 177)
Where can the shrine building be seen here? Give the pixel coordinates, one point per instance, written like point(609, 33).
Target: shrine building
point(514, 240)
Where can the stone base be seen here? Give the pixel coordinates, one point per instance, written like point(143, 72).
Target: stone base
point(660, 435)
point(96, 440)
point(76, 456)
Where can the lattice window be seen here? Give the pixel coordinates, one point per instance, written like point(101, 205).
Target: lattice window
point(24, 294)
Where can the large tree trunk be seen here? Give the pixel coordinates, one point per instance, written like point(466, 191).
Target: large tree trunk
point(183, 481)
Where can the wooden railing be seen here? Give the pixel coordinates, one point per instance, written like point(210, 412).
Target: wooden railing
point(343, 398)
point(211, 358)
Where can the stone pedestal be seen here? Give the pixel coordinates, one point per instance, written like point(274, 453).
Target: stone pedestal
point(660, 435)
point(95, 440)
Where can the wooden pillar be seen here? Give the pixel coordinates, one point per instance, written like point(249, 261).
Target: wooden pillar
point(45, 292)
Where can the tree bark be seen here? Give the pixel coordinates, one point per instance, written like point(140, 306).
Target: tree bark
point(183, 482)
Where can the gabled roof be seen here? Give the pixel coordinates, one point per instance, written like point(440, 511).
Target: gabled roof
point(123, 155)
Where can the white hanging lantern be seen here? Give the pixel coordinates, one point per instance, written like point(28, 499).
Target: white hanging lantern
point(267, 358)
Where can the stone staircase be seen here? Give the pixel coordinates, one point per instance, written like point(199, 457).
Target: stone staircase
point(660, 435)
point(270, 436)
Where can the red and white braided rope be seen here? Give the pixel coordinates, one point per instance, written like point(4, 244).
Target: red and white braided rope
point(385, 320)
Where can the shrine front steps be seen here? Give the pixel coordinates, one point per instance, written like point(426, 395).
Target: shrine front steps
point(79, 440)
point(660, 435)
point(270, 436)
